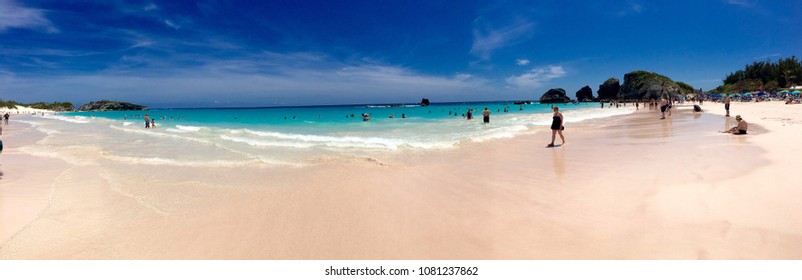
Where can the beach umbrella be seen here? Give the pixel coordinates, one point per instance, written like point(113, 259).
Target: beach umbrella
point(784, 91)
point(796, 92)
point(761, 93)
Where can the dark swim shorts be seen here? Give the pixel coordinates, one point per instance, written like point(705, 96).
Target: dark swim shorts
point(726, 106)
point(741, 131)
point(663, 108)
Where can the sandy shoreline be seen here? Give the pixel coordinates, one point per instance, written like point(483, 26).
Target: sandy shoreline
point(627, 187)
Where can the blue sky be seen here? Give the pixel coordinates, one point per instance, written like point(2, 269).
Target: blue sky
point(274, 53)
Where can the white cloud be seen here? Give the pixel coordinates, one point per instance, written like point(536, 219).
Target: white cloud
point(637, 8)
point(766, 56)
point(171, 24)
point(742, 3)
point(485, 42)
point(13, 15)
point(632, 8)
point(258, 80)
point(522, 61)
point(537, 76)
point(150, 7)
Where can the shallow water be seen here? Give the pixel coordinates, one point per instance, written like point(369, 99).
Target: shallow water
point(262, 136)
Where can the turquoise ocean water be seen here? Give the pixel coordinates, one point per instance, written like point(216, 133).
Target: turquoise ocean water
point(294, 135)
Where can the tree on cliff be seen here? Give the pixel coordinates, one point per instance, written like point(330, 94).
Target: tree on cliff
point(768, 75)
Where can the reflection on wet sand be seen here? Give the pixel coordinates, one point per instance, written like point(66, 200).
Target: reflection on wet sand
point(559, 163)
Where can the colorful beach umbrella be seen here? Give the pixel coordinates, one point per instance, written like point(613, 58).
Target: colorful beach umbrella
point(796, 92)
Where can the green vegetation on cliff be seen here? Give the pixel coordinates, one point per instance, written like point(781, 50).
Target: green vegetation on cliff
point(770, 76)
point(650, 85)
point(55, 106)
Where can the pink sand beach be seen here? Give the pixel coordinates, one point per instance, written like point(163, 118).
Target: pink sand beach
point(623, 187)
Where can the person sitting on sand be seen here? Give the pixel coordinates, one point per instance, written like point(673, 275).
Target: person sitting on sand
point(557, 126)
point(741, 128)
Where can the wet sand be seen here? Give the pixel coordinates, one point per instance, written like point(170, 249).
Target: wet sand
point(627, 187)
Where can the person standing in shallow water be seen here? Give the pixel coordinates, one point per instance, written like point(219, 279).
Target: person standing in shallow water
point(557, 126)
point(663, 107)
point(727, 104)
point(486, 115)
point(147, 121)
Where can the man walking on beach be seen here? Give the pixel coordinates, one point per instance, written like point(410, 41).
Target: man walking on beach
point(727, 104)
point(486, 115)
point(663, 107)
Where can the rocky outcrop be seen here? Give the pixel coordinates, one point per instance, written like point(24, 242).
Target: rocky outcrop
point(424, 102)
point(106, 105)
point(648, 85)
point(555, 95)
point(584, 94)
point(609, 89)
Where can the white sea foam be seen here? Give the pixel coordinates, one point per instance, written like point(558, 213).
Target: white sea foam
point(161, 161)
point(307, 140)
point(264, 143)
point(75, 119)
point(152, 132)
point(179, 162)
point(188, 128)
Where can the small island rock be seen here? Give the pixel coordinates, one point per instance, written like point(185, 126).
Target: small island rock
point(555, 95)
point(106, 105)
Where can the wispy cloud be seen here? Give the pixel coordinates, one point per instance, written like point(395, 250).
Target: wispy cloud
point(171, 24)
point(487, 40)
point(13, 15)
point(261, 79)
point(522, 61)
point(150, 7)
point(631, 8)
point(767, 56)
point(741, 3)
point(537, 77)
